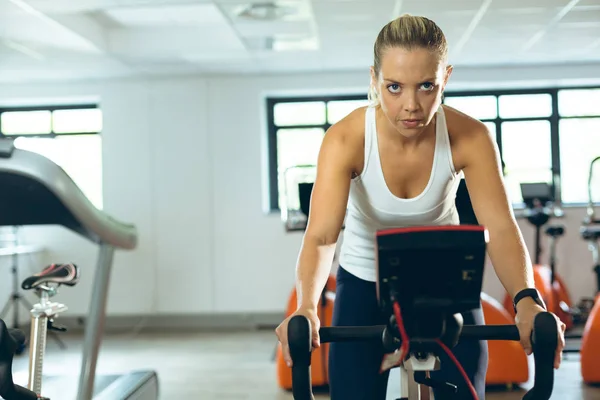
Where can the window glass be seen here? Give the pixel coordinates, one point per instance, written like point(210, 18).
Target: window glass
point(525, 105)
point(526, 150)
point(26, 122)
point(302, 113)
point(579, 102)
point(579, 145)
point(295, 147)
point(337, 110)
point(480, 107)
point(77, 120)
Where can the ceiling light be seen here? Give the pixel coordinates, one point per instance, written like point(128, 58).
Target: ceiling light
point(268, 11)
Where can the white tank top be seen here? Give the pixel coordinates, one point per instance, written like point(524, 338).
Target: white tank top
point(372, 206)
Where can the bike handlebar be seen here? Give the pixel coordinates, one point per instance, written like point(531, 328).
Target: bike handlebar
point(10, 340)
point(544, 340)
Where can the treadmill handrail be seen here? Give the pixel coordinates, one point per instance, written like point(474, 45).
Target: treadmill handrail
point(39, 168)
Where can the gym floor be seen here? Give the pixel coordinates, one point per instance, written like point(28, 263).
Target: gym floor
point(226, 365)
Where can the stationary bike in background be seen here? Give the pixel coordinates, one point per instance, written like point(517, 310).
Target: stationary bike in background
point(590, 232)
point(540, 208)
point(45, 284)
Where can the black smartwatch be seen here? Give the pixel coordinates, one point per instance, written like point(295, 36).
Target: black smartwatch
point(529, 292)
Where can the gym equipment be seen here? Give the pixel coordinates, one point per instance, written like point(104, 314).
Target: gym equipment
point(11, 247)
point(39, 192)
point(590, 344)
point(503, 352)
point(297, 185)
point(423, 314)
point(10, 341)
point(539, 199)
point(500, 353)
point(320, 357)
point(46, 285)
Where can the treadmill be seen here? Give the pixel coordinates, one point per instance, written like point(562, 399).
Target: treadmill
point(36, 191)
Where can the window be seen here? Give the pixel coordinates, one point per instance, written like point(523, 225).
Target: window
point(579, 102)
point(296, 130)
point(521, 123)
point(480, 107)
point(527, 153)
point(297, 152)
point(579, 127)
point(67, 135)
point(579, 145)
point(544, 135)
point(525, 105)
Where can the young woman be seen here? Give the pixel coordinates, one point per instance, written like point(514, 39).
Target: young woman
point(398, 162)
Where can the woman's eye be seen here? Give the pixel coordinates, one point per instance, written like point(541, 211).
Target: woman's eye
point(428, 86)
point(394, 88)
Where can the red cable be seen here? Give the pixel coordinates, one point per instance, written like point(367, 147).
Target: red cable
point(405, 347)
point(405, 341)
point(460, 368)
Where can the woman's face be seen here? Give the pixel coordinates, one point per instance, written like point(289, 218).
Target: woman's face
point(410, 86)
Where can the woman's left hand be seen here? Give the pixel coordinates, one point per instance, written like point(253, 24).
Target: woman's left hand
point(526, 312)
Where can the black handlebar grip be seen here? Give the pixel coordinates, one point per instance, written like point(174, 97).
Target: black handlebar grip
point(544, 341)
point(22, 393)
point(300, 344)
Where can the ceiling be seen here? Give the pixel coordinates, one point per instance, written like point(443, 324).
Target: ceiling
point(66, 39)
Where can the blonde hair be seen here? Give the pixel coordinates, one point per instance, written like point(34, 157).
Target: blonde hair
point(408, 32)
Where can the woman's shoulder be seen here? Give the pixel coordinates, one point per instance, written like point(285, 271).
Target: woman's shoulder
point(462, 124)
point(345, 139)
point(350, 130)
point(467, 134)
point(462, 127)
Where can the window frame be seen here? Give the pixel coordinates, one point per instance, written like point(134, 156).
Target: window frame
point(51, 108)
point(554, 120)
point(272, 134)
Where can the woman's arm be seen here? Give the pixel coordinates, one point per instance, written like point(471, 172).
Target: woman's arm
point(328, 205)
point(483, 176)
point(481, 165)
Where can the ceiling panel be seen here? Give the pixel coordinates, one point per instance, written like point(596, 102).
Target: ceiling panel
point(509, 22)
point(524, 4)
point(582, 15)
point(198, 36)
point(71, 7)
point(420, 7)
point(274, 28)
point(38, 33)
point(175, 15)
point(172, 41)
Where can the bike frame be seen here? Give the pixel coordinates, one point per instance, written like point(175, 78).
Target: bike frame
point(42, 314)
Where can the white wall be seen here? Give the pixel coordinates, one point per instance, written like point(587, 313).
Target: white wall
point(184, 160)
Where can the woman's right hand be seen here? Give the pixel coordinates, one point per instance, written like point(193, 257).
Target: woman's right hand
point(281, 331)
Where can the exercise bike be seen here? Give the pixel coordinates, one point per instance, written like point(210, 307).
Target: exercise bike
point(423, 314)
point(590, 344)
point(45, 284)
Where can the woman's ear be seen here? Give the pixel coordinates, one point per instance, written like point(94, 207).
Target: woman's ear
point(449, 69)
point(374, 79)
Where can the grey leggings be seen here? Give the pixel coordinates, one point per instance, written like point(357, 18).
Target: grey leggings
point(354, 366)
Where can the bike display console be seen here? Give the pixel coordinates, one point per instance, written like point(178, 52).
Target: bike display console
point(433, 273)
